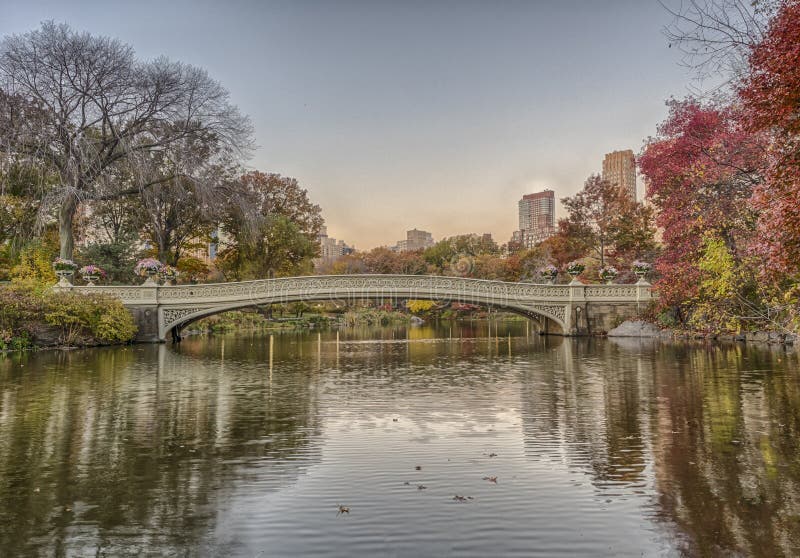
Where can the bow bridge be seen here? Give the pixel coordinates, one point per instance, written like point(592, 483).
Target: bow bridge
point(568, 309)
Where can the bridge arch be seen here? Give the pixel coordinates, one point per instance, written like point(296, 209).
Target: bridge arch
point(180, 317)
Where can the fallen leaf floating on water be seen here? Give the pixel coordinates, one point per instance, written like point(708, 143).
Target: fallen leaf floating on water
point(394, 420)
point(421, 487)
point(343, 509)
point(418, 468)
point(458, 498)
point(490, 479)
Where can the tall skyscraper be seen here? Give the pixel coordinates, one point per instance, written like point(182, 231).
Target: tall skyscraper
point(619, 167)
point(537, 218)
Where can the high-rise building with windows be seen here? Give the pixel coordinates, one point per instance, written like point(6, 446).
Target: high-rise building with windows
point(619, 167)
point(330, 249)
point(537, 218)
point(415, 240)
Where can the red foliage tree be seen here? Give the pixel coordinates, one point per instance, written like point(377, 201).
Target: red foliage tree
point(771, 98)
point(701, 171)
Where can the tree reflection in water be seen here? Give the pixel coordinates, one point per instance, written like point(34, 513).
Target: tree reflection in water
point(103, 453)
point(718, 426)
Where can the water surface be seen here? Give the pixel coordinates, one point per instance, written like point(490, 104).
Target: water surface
point(558, 447)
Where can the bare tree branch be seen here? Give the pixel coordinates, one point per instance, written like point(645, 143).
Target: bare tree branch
point(715, 36)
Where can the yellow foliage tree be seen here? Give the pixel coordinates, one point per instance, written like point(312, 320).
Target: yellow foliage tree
point(418, 306)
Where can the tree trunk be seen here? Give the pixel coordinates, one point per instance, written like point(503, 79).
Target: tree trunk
point(66, 235)
point(602, 253)
point(163, 250)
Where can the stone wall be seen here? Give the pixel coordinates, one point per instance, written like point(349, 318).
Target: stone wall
point(597, 318)
point(147, 319)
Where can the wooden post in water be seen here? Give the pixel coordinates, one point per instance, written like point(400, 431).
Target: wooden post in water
point(271, 347)
point(319, 349)
point(509, 343)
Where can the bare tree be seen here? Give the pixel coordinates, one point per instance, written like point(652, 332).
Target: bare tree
point(192, 183)
point(716, 36)
point(82, 104)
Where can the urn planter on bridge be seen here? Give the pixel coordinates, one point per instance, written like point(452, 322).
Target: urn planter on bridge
point(150, 268)
point(574, 269)
point(549, 274)
point(91, 274)
point(65, 277)
point(168, 275)
point(608, 274)
point(151, 279)
point(64, 269)
point(641, 269)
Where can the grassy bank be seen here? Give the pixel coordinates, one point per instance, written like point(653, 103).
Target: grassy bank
point(259, 319)
point(251, 319)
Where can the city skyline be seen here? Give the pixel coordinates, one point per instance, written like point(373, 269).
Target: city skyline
point(376, 110)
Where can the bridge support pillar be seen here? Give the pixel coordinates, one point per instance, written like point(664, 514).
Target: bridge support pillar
point(574, 309)
point(147, 319)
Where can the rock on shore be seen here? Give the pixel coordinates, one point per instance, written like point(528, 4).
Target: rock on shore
point(635, 328)
point(639, 328)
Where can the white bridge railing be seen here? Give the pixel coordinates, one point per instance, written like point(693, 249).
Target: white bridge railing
point(371, 286)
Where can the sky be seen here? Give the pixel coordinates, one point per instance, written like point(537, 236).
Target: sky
point(437, 115)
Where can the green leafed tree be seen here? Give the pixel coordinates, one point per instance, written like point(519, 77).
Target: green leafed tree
point(271, 230)
point(276, 247)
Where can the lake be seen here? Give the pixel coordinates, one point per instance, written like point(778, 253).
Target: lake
point(459, 439)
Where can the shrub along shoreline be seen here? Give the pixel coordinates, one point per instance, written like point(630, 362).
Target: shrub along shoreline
point(35, 316)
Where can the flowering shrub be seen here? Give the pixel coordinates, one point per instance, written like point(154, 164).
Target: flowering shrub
point(549, 271)
point(92, 271)
point(608, 273)
point(148, 266)
point(575, 268)
point(639, 266)
point(62, 264)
